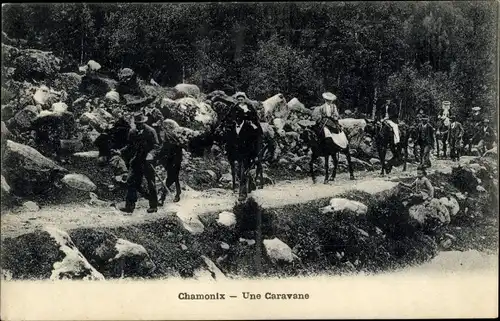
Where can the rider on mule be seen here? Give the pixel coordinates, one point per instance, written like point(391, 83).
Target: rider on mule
point(389, 117)
point(246, 111)
point(328, 115)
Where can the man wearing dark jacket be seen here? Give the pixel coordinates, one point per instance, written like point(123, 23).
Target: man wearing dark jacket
point(426, 137)
point(143, 145)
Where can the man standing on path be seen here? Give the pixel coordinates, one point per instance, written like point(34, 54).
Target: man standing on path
point(455, 135)
point(426, 138)
point(143, 146)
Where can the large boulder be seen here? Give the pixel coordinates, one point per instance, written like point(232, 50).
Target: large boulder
point(114, 257)
point(36, 64)
point(227, 219)
point(128, 84)
point(189, 90)
point(430, 214)
point(451, 204)
point(112, 96)
point(464, 179)
point(277, 250)
point(45, 96)
point(51, 127)
point(28, 171)
point(23, 119)
point(5, 187)
point(68, 82)
point(296, 106)
point(342, 204)
point(188, 112)
point(97, 85)
point(99, 119)
point(354, 129)
point(275, 107)
point(46, 254)
point(79, 182)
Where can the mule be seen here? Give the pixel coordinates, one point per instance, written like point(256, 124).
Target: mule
point(325, 147)
point(245, 148)
point(170, 155)
point(383, 137)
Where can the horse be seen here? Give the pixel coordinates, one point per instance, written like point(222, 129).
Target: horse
point(442, 135)
point(325, 147)
point(383, 136)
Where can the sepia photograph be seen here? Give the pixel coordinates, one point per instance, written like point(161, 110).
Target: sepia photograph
point(242, 160)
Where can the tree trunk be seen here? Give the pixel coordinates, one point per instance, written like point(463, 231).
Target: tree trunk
point(375, 98)
point(258, 244)
point(81, 50)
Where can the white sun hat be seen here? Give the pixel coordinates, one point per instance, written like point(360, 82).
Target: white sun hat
point(329, 96)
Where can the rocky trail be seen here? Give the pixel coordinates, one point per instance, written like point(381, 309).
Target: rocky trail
point(192, 204)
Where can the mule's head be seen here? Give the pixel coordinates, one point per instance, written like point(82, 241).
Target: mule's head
point(372, 127)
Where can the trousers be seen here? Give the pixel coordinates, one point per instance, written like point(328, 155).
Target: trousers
point(138, 171)
point(425, 154)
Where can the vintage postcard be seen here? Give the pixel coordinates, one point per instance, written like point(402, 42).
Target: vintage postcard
point(249, 160)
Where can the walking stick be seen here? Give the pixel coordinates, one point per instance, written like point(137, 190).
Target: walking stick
point(159, 178)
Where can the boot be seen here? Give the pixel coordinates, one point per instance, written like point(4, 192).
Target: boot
point(152, 210)
point(128, 208)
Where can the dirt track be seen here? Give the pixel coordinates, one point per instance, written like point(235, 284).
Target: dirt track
point(193, 203)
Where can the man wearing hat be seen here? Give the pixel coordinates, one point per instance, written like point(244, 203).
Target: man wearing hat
point(143, 145)
point(426, 139)
point(487, 135)
point(456, 132)
point(327, 114)
point(246, 110)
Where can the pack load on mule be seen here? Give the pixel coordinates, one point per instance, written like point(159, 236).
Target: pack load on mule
point(389, 134)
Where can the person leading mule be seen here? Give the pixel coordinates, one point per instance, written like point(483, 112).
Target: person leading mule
point(143, 146)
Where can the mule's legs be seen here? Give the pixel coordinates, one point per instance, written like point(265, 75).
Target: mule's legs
point(314, 157)
point(260, 173)
point(243, 180)
point(405, 157)
point(347, 153)
point(327, 161)
point(381, 155)
point(335, 164)
point(444, 148)
point(233, 173)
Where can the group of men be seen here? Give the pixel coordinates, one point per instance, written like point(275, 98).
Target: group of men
point(144, 145)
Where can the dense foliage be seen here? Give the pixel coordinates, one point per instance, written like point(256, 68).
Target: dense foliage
point(416, 53)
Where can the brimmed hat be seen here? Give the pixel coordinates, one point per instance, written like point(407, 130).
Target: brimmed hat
point(476, 108)
point(446, 103)
point(486, 120)
point(240, 94)
point(140, 118)
point(329, 96)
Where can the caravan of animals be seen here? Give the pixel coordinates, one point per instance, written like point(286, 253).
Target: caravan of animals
point(86, 158)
